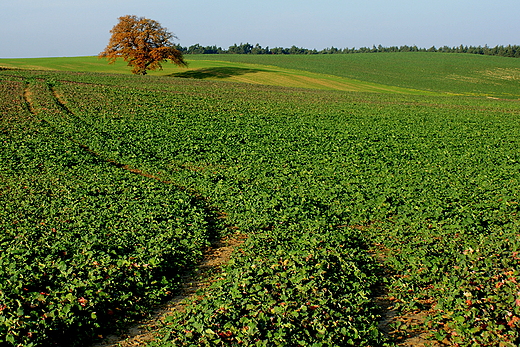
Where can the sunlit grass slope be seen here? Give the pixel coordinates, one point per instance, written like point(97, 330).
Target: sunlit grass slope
point(80, 64)
point(281, 76)
point(465, 74)
point(215, 70)
point(409, 73)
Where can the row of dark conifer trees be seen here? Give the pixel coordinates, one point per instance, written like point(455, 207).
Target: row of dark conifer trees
point(247, 48)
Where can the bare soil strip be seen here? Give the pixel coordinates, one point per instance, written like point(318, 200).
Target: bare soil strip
point(411, 333)
point(27, 97)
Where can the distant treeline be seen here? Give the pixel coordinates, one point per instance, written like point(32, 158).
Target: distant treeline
point(246, 48)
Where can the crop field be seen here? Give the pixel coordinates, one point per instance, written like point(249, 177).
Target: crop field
point(397, 197)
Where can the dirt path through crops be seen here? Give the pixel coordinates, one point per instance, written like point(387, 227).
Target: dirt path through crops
point(414, 335)
point(218, 255)
point(27, 97)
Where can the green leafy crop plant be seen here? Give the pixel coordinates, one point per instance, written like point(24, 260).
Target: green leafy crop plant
point(315, 179)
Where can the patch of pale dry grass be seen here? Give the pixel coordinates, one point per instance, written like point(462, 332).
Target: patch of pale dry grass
point(510, 74)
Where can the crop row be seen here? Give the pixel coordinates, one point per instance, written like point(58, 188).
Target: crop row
point(287, 286)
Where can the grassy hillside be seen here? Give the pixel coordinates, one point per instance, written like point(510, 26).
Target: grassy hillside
point(283, 77)
point(214, 70)
point(437, 72)
point(82, 64)
point(410, 73)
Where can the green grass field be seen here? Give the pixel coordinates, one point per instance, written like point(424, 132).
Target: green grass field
point(452, 73)
point(409, 73)
point(366, 188)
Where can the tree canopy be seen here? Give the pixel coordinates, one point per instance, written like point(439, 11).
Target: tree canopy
point(247, 48)
point(143, 43)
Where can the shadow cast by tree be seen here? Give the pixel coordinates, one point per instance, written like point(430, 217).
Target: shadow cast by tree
point(215, 72)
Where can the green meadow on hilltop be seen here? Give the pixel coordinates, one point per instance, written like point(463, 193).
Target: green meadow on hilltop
point(362, 184)
point(410, 73)
point(436, 72)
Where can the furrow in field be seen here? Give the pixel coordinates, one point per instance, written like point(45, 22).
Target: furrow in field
point(27, 97)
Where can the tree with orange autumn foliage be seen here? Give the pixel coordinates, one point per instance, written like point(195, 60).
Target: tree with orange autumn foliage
point(143, 43)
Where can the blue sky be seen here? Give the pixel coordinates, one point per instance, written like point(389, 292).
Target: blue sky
point(47, 28)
